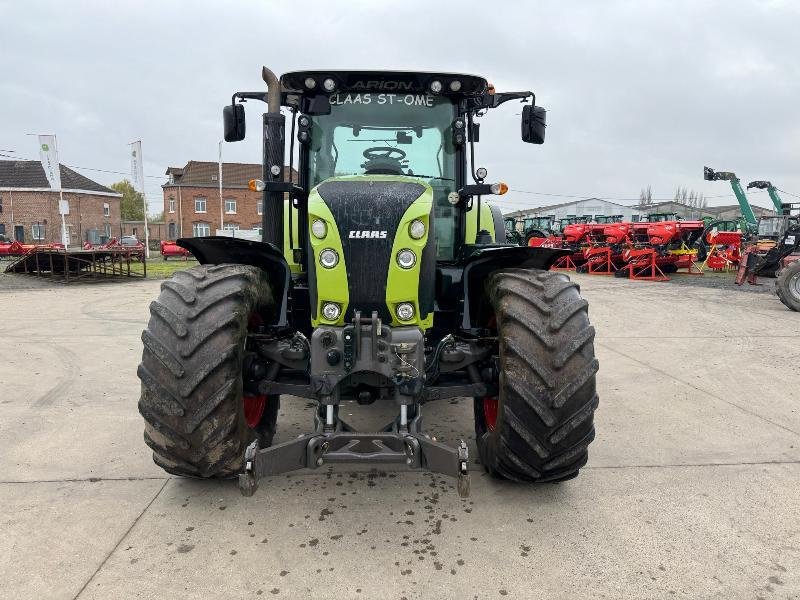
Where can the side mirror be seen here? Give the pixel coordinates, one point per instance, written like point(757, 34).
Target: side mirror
point(533, 124)
point(233, 121)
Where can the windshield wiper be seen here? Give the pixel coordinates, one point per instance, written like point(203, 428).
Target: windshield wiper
point(428, 176)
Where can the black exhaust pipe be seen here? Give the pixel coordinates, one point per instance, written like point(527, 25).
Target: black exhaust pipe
point(274, 143)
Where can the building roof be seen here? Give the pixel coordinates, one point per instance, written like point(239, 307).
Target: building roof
point(672, 206)
point(537, 209)
point(29, 174)
point(206, 174)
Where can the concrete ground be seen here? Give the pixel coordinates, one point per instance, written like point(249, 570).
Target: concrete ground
point(692, 489)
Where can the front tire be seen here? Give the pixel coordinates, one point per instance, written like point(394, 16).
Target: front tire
point(788, 285)
point(191, 370)
point(543, 419)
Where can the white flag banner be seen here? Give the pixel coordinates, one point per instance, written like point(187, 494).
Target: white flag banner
point(137, 171)
point(48, 154)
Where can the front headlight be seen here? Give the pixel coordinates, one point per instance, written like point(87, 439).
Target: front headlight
point(405, 311)
point(331, 311)
point(417, 229)
point(328, 258)
point(406, 258)
point(319, 229)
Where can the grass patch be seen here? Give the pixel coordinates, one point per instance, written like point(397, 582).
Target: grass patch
point(158, 268)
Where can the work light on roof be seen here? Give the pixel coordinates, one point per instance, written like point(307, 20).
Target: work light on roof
point(329, 85)
point(436, 86)
point(455, 85)
point(310, 83)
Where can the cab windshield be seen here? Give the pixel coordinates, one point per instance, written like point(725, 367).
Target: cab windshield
point(407, 135)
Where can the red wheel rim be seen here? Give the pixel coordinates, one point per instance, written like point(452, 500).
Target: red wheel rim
point(254, 409)
point(490, 412)
point(254, 404)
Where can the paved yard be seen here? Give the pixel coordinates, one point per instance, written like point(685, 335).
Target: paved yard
point(692, 489)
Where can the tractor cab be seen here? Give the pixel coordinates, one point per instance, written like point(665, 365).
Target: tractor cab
point(604, 219)
point(662, 217)
point(774, 227)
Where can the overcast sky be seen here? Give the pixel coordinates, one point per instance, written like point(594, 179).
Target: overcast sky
point(638, 92)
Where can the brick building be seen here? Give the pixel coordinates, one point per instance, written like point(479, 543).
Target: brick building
point(156, 231)
point(192, 198)
point(29, 208)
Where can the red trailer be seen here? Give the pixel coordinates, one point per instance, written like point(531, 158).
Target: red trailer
point(171, 248)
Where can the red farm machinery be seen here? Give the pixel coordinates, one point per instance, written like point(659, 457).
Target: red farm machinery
point(642, 250)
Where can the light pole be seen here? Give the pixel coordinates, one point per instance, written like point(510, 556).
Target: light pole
point(221, 211)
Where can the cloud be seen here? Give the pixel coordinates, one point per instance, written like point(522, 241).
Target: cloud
point(638, 93)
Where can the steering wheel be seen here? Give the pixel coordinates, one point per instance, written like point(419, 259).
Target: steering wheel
point(379, 152)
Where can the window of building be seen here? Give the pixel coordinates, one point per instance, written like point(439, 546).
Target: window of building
point(171, 204)
point(230, 206)
point(172, 231)
point(2, 229)
point(201, 229)
point(260, 207)
point(108, 231)
point(1, 205)
point(133, 232)
point(106, 210)
point(37, 231)
point(199, 205)
point(231, 227)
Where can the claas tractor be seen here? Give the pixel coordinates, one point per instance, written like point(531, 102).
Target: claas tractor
point(383, 278)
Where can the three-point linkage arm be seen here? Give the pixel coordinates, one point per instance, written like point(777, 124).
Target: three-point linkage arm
point(771, 190)
point(710, 174)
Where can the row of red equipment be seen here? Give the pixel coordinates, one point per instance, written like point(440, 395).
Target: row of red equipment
point(645, 250)
point(168, 248)
point(16, 248)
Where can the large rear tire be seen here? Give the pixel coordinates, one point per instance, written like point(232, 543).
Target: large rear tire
point(191, 370)
point(788, 285)
point(541, 424)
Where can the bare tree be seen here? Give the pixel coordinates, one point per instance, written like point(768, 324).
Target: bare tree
point(646, 196)
point(689, 198)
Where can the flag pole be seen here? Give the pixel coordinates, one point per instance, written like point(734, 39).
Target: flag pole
point(64, 234)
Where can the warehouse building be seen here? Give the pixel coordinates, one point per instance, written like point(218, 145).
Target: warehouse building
point(728, 212)
point(29, 207)
point(192, 198)
point(592, 207)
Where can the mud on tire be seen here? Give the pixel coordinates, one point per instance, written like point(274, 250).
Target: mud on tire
point(545, 410)
point(191, 370)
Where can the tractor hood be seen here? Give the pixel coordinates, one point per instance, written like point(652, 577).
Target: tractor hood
point(367, 221)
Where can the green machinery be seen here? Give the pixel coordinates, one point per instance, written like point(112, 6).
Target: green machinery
point(771, 190)
point(751, 222)
point(383, 276)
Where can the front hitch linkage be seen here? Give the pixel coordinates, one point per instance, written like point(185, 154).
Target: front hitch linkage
point(415, 450)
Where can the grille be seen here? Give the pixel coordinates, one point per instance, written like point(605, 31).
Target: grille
point(368, 206)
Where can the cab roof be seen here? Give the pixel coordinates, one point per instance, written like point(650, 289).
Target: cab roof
point(452, 84)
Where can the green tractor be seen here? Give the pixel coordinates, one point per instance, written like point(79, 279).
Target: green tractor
point(383, 277)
